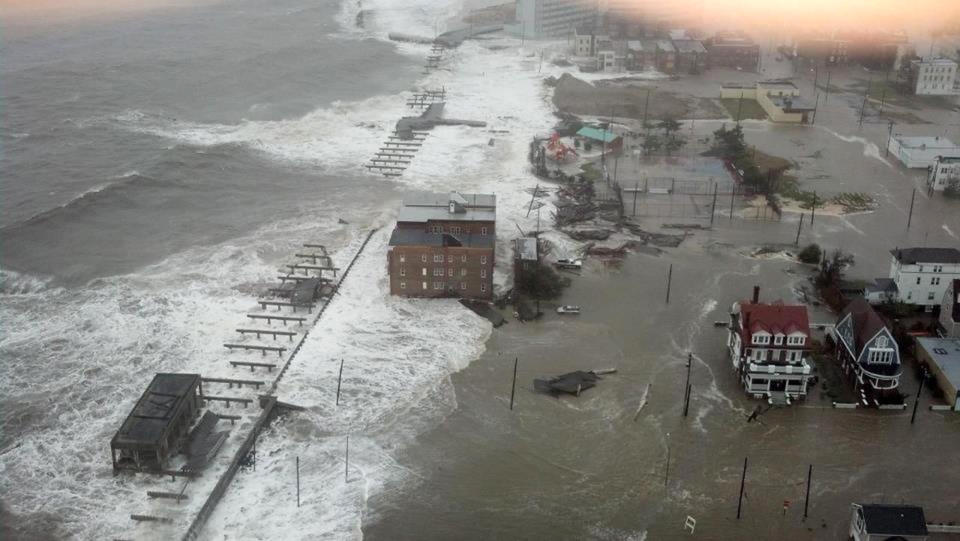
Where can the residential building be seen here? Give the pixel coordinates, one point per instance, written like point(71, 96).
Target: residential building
point(691, 56)
point(921, 275)
point(941, 357)
point(768, 346)
point(934, 77)
point(950, 310)
point(780, 100)
point(921, 152)
point(665, 56)
point(944, 172)
point(868, 353)
point(732, 50)
point(443, 246)
point(822, 49)
point(886, 522)
point(606, 140)
point(586, 40)
point(538, 19)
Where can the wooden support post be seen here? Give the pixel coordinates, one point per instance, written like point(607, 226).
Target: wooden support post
point(513, 389)
point(339, 379)
point(666, 471)
point(346, 462)
point(686, 400)
point(799, 227)
point(669, 280)
point(733, 192)
point(806, 501)
point(636, 189)
point(813, 210)
point(298, 481)
point(743, 480)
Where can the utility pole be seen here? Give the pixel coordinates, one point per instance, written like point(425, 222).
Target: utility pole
point(863, 106)
point(339, 380)
point(827, 96)
point(636, 190)
point(799, 227)
point(666, 473)
point(298, 481)
point(686, 399)
point(733, 192)
point(346, 461)
point(813, 211)
point(513, 390)
point(910, 216)
point(806, 501)
point(883, 99)
point(743, 480)
point(917, 401)
point(889, 138)
point(669, 279)
point(815, 107)
point(646, 107)
point(739, 107)
point(713, 207)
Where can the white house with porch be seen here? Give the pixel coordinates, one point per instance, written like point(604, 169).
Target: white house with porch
point(769, 345)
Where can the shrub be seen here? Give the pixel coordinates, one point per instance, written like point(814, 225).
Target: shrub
point(810, 254)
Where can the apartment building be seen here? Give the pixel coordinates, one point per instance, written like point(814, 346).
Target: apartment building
point(443, 246)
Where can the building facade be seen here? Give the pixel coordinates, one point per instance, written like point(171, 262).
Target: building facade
point(768, 346)
point(950, 310)
point(921, 152)
point(780, 100)
point(732, 50)
point(537, 19)
point(934, 77)
point(944, 172)
point(443, 246)
point(922, 275)
point(867, 353)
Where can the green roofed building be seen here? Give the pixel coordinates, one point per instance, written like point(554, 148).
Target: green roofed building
point(607, 138)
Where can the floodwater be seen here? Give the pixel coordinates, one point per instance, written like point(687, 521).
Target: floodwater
point(596, 467)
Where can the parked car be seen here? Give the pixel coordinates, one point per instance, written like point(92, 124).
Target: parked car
point(575, 264)
point(568, 309)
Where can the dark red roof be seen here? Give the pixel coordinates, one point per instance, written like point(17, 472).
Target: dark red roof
point(776, 318)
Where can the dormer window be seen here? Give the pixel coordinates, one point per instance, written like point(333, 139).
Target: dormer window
point(881, 356)
point(761, 339)
point(795, 340)
point(778, 339)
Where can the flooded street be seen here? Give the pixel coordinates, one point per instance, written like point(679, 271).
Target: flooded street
point(596, 467)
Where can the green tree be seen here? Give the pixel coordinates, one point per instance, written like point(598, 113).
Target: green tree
point(832, 268)
point(810, 254)
point(674, 143)
point(669, 126)
point(652, 143)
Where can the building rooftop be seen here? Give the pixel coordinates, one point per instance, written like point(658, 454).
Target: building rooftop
point(912, 256)
point(415, 237)
point(452, 206)
point(865, 320)
point(792, 103)
point(925, 142)
point(946, 353)
point(689, 46)
point(597, 134)
point(774, 318)
point(891, 520)
point(665, 45)
point(154, 411)
point(939, 60)
point(774, 83)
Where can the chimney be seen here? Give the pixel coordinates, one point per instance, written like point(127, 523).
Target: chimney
point(756, 294)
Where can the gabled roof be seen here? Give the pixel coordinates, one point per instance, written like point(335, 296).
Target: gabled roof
point(892, 520)
point(912, 256)
point(776, 318)
point(865, 321)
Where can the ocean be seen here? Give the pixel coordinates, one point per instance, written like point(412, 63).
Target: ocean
point(158, 168)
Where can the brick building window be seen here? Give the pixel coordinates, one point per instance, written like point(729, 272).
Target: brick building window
point(454, 230)
point(423, 258)
point(403, 258)
point(483, 273)
point(463, 285)
point(483, 260)
point(436, 229)
point(449, 259)
point(403, 285)
point(438, 285)
point(463, 272)
point(438, 271)
point(483, 287)
point(424, 285)
point(463, 259)
point(403, 271)
point(483, 230)
point(424, 273)
point(438, 258)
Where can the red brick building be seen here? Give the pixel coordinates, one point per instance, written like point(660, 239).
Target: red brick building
point(443, 246)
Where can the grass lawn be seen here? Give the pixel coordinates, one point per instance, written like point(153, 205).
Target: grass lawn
point(749, 109)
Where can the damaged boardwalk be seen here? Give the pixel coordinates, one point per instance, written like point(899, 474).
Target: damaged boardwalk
point(168, 508)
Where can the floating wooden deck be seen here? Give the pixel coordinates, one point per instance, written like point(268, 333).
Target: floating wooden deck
point(252, 365)
point(271, 317)
point(255, 347)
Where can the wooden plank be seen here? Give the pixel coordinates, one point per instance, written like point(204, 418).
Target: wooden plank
point(232, 382)
point(166, 495)
point(389, 167)
point(261, 349)
point(228, 399)
point(311, 245)
point(268, 366)
point(295, 278)
point(258, 332)
point(284, 319)
point(280, 304)
point(315, 257)
point(304, 266)
point(151, 518)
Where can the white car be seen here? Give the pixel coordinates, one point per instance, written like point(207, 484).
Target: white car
point(568, 309)
point(576, 264)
